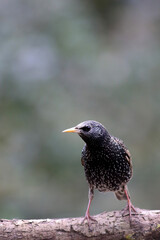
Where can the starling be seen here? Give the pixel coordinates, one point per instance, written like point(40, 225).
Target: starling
point(106, 160)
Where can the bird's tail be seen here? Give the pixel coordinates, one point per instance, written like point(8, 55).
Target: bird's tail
point(121, 194)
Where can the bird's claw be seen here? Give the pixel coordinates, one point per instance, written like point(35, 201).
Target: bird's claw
point(89, 219)
point(129, 209)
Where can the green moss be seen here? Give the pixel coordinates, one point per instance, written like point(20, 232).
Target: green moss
point(129, 237)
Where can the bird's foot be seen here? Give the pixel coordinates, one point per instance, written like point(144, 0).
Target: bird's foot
point(89, 220)
point(129, 209)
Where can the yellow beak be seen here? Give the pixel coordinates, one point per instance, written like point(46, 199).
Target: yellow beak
point(74, 129)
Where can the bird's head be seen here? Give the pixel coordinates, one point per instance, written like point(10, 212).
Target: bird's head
point(90, 131)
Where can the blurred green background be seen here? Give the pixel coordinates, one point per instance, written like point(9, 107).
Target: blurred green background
point(63, 62)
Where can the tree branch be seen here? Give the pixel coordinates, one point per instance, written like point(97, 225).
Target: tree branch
point(111, 226)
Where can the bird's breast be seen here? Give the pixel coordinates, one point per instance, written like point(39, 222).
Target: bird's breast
point(106, 170)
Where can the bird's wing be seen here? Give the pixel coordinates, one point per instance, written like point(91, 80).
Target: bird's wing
point(127, 153)
point(117, 140)
point(82, 161)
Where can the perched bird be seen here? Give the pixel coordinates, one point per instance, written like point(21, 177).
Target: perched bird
point(106, 160)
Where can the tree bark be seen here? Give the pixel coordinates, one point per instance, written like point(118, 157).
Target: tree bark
point(145, 225)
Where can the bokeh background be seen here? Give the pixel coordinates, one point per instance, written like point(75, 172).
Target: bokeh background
point(63, 62)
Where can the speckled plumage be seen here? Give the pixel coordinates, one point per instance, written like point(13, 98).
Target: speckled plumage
point(106, 160)
point(107, 166)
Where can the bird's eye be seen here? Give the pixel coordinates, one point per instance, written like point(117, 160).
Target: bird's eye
point(86, 128)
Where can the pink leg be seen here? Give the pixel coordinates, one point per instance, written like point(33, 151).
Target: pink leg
point(129, 206)
point(87, 215)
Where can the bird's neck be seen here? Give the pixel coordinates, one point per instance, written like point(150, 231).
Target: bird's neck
point(98, 143)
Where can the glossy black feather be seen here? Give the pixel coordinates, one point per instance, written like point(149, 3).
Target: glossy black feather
point(107, 162)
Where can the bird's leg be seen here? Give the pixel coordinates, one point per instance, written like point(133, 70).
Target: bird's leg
point(129, 206)
point(87, 215)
